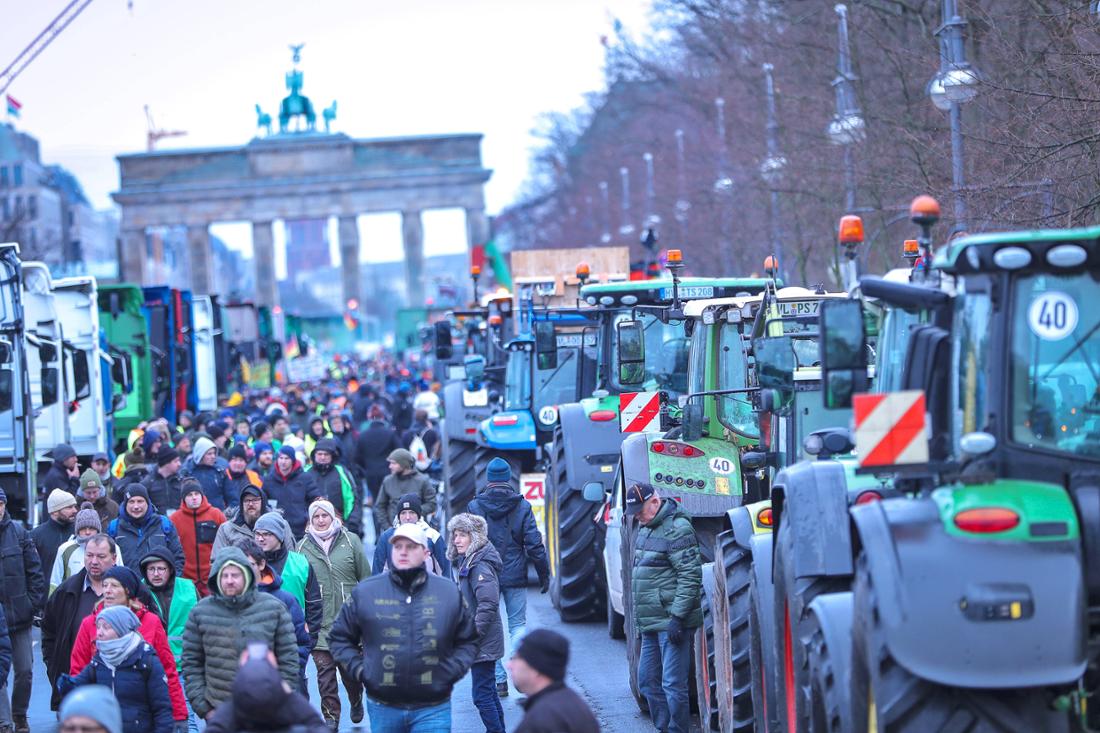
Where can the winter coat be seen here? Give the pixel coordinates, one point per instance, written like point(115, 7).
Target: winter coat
point(70, 561)
point(300, 581)
point(22, 585)
point(105, 507)
point(57, 477)
point(291, 495)
point(667, 579)
point(197, 529)
point(59, 624)
point(236, 530)
point(271, 583)
point(336, 482)
point(218, 630)
point(476, 573)
point(513, 531)
point(164, 492)
point(425, 618)
point(349, 452)
point(261, 704)
point(214, 482)
point(372, 450)
point(180, 601)
point(49, 536)
point(338, 572)
point(140, 475)
point(557, 709)
point(136, 537)
point(139, 686)
point(5, 646)
point(152, 630)
point(235, 482)
point(394, 487)
point(436, 543)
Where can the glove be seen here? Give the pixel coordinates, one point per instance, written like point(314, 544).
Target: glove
point(675, 631)
point(544, 585)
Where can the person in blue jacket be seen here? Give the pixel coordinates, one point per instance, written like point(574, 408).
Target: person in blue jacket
point(410, 511)
point(126, 664)
point(5, 662)
point(139, 529)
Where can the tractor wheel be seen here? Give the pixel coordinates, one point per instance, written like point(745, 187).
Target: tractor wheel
point(830, 650)
point(633, 639)
point(792, 601)
point(571, 532)
point(887, 698)
point(616, 624)
point(765, 666)
point(733, 668)
point(706, 685)
point(459, 476)
point(482, 456)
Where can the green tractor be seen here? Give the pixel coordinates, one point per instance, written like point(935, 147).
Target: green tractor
point(584, 453)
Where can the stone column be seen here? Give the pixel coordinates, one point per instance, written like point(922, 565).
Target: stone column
point(263, 250)
point(131, 256)
point(412, 233)
point(202, 259)
point(349, 259)
point(477, 227)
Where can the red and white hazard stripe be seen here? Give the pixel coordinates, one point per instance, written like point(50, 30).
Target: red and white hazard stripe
point(640, 412)
point(891, 428)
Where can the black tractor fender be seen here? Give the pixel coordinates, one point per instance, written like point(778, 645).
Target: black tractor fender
point(968, 611)
point(739, 520)
point(812, 496)
point(634, 453)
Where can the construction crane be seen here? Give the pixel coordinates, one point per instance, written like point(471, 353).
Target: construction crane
point(152, 134)
point(39, 44)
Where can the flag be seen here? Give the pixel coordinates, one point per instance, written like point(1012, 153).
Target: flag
point(292, 351)
point(499, 264)
point(13, 106)
point(350, 321)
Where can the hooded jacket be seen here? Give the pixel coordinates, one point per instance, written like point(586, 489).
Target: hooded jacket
point(408, 636)
point(57, 477)
point(173, 603)
point(335, 482)
point(338, 571)
point(667, 578)
point(212, 478)
point(261, 703)
point(311, 441)
point(136, 537)
point(291, 495)
point(236, 530)
point(220, 627)
point(22, 584)
point(513, 531)
point(152, 630)
point(394, 487)
point(138, 686)
point(271, 582)
point(476, 573)
point(197, 529)
point(106, 507)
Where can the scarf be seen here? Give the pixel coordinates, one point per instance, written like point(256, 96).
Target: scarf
point(82, 541)
point(115, 651)
point(326, 538)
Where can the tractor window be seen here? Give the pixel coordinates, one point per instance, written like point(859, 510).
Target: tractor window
point(972, 316)
point(734, 410)
point(517, 388)
point(1056, 363)
point(666, 356)
point(558, 386)
point(697, 358)
point(893, 343)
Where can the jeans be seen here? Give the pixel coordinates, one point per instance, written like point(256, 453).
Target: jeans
point(386, 719)
point(514, 601)
point(192, 719)
point(22, 664)
point(329, 688)
point(486, 698)
point(663, 670)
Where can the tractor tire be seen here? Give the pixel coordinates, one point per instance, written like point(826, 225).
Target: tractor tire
point(791, 606)
point(459, 476)
point(571, 533)
point(762, 645)
point(616, 624)
point(633, 638)
point(733, 667)
point(706, 685)
point(830, 649)
point(887, 698)
point(482, 457)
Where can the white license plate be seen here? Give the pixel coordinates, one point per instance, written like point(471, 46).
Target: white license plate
point(795, 308)
point(573, 340)
point(689, 292)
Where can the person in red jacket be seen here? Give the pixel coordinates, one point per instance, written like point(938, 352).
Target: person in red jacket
point(122, 587)
point(197, 524)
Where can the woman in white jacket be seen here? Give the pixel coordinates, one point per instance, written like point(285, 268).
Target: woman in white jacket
point(70, 555)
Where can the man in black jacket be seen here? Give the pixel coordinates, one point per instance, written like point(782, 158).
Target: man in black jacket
point(408, 636)
point(538, 671)
point(49, 535)
point(64, 473)
point(163, 483)
point(262, 701)
point(22, 593)
point(335, 482)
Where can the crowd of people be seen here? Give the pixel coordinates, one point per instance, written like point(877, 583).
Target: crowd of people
point(187, 584)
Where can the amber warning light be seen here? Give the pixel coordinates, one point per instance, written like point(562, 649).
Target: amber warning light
point(674, 257)
point(851, 230)
point(475, 270)
point(911, 249)
point(583, 271)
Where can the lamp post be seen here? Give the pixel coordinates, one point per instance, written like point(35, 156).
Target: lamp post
point(625, 227)
point(723, 182)
point(605, 202)
point(682, 204)
point(846, 128)
point(772, 167)
point(954, 85)
point(651, 217)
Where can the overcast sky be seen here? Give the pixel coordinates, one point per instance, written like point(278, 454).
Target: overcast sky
point(397, 67)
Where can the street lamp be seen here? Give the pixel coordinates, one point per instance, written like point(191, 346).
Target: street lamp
point(954, 85)
point(772, 167)
point(847, 128)
point(682, 204)
point(605, 200)
point(652, 219)
point(723, 182)
point(625, 227)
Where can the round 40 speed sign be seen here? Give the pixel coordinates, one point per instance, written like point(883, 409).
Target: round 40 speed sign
point(548, 415)
point(1052, 316)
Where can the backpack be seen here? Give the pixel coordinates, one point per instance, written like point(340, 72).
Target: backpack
point(421, 459)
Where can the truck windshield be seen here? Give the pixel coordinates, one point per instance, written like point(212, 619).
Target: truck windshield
point(666, 356)
point(517, 388)
point(558, 386)
point(1056, 363)
point(734, 410)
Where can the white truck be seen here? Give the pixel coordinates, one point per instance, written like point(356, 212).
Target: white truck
point(49, 373)
point(77, 304)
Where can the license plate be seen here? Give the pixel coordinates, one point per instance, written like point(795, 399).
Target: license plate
point(795, 308)
point(573, 340)
point(689, 292)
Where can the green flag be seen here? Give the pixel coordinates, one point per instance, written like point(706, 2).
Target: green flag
point(499, 264)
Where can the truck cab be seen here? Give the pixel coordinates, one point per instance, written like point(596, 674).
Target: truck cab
point(77, 306)
point(17, 455)
point(50, 373)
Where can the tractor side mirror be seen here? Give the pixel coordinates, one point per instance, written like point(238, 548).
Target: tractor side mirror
point(691, 422)
point(443, 339)
point(843, 351)
point(594, 491)
point(631, 351)
point(475, 368)
point(775, 362)
point(546, 345)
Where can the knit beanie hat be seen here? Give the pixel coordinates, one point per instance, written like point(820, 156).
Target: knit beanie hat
point(260, 446)
point(238, 451)
point(166, 455)
point(88, 479)
point(288, 450)
point(137, 489)
point(190, 484)
point(402, 458)
point(321, 505)
point(498, 471)
point(96, 702)
point(546, 651)
point(409, 501)
point(3, 496)
point(87, 517)
point(273, 523)
point(133, 458)
point(147, 440)
point(127, 578)
point(59, 499)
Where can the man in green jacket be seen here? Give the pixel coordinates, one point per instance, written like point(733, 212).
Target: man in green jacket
point(666, 584)
point(175, 596)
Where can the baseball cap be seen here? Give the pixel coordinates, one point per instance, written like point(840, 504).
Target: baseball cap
point(636, 495)
point(100, 457)
point(410, 532)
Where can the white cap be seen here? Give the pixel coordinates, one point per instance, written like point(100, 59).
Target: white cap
point(410, 532)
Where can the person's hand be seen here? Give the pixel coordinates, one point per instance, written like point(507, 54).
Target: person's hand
point(74, 472)
point(544, 585)
point(675, 631)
